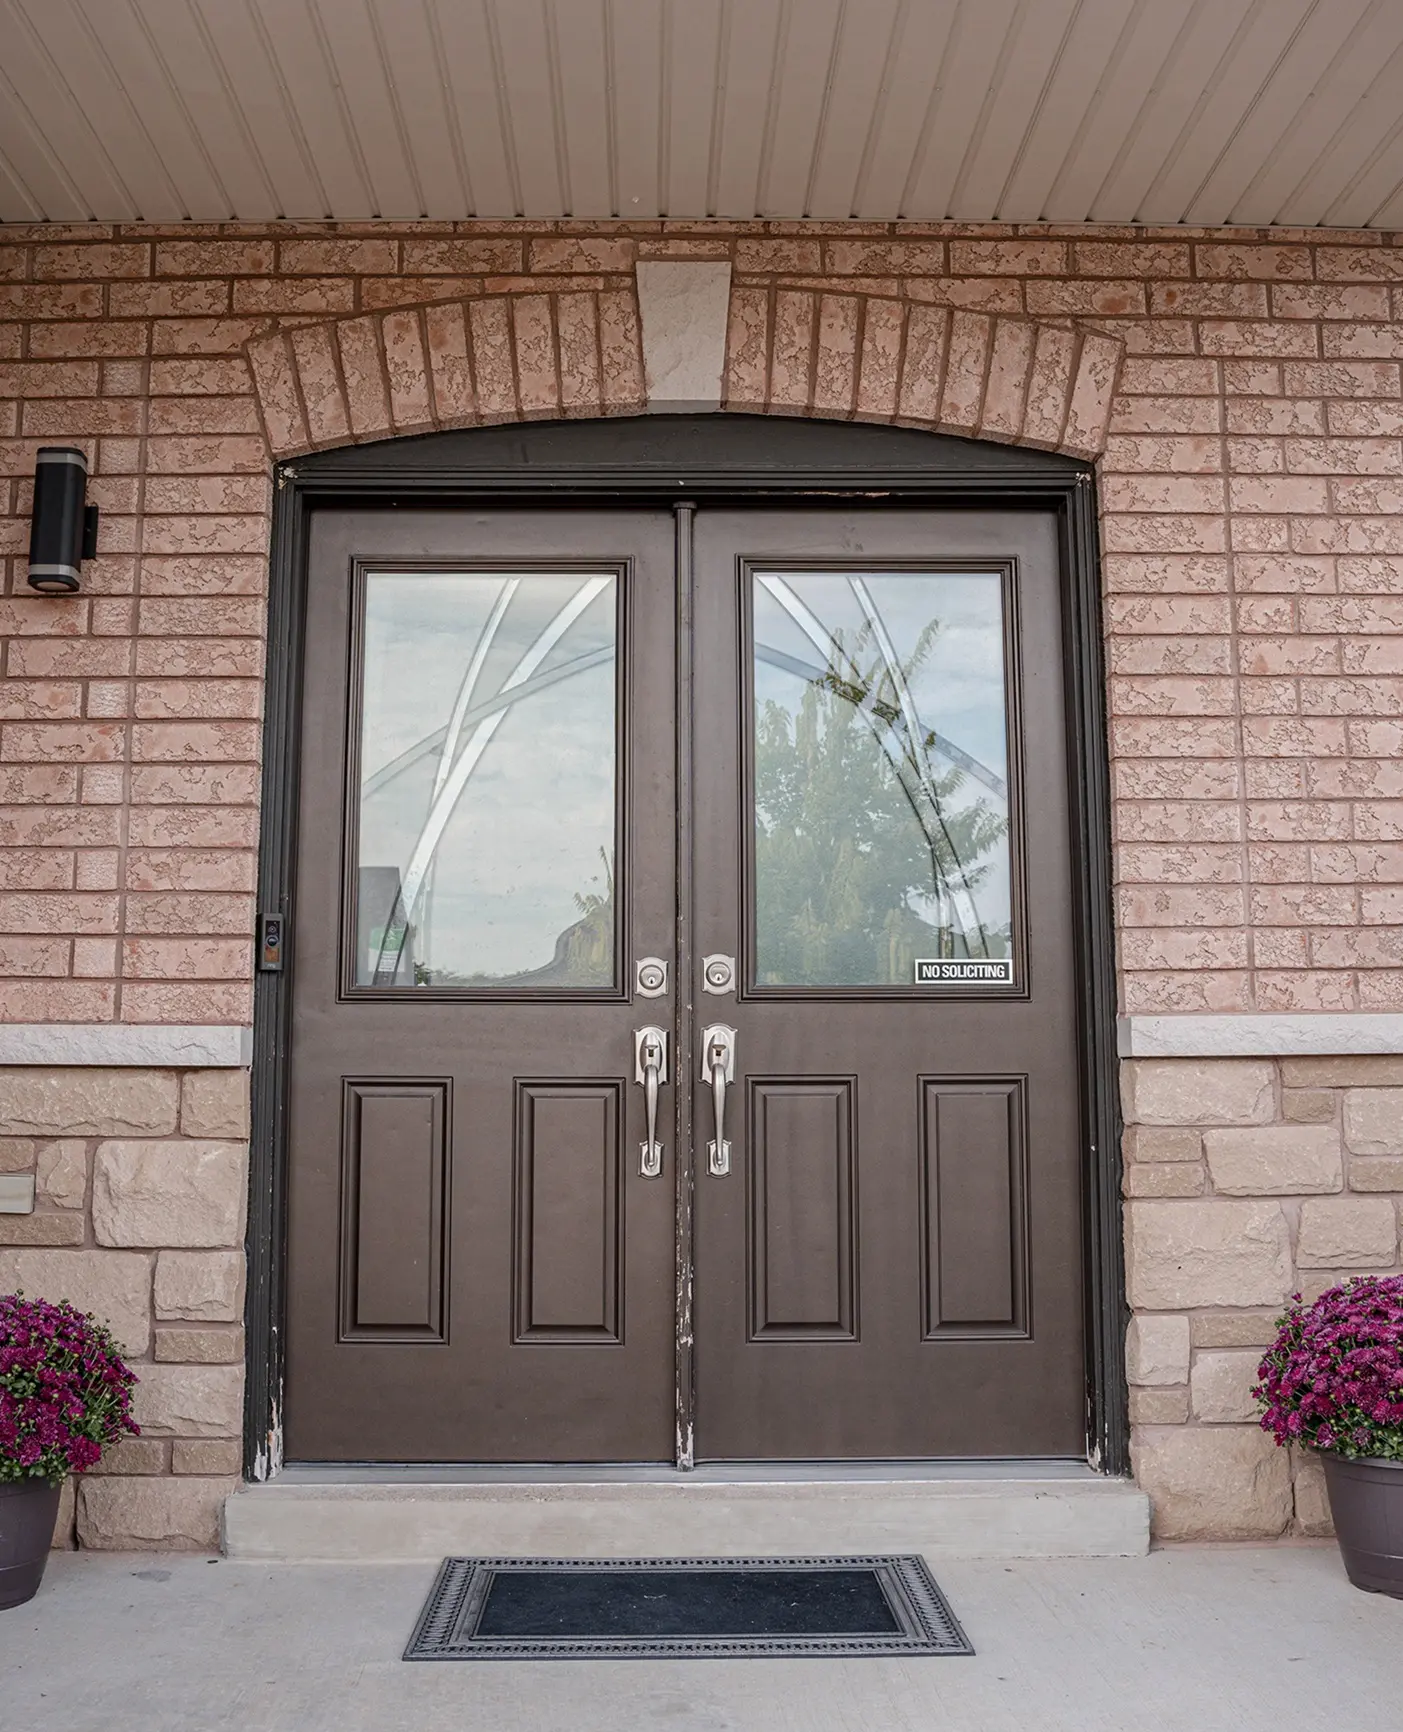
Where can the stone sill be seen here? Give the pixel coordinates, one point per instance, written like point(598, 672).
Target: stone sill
point(159, 1046)
point(1323, 1035)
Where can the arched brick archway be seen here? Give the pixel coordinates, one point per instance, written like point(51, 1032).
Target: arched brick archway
point(529, 356)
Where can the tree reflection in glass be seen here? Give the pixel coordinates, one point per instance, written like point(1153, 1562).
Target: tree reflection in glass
point(487, 781)
point(880, 752)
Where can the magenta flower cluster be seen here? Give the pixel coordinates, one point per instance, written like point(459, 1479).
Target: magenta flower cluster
point(65, 1393)
point(1333, 1379)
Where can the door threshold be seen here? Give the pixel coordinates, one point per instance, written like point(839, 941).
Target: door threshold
point(1038, 1508)
point(663, 1473)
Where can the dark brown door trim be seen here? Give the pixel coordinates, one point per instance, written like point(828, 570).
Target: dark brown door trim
point(668, 461)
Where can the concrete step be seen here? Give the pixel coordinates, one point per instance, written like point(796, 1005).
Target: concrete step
point(1034, 1511)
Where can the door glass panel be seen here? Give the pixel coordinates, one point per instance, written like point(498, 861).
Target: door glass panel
point(487, 779)
point(880, 754)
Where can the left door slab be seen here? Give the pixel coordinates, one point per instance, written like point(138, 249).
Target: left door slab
point(479, 1268)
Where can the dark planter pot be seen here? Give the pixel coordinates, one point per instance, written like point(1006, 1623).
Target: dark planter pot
point(1366, 1501)
point(28, 1510)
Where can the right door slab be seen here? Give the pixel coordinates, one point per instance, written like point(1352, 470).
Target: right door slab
point(891, 1265)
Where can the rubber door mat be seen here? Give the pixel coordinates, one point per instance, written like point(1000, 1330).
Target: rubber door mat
point(652, 1608)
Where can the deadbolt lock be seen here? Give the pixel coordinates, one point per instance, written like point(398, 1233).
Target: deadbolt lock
point(718, 974)
point(650, 977)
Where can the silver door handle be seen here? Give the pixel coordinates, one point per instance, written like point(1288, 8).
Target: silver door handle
point(650, 1069)
point(718, 1068)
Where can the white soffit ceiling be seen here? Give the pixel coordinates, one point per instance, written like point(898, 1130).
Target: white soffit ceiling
point(1119, 111)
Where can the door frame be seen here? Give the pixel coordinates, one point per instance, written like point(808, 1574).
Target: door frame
point(670, 461)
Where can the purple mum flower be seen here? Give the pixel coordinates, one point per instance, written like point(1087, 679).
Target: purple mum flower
point(1333, 1378)
point(65, 1391)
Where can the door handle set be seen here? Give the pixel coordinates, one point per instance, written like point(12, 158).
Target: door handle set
point(718, 1068)
point(650, 1069)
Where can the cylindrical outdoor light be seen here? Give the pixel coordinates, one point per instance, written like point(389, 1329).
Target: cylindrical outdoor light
point(63, 528)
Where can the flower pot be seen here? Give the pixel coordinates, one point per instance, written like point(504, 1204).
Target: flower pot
point(1366, 1500)
point(28, 1510)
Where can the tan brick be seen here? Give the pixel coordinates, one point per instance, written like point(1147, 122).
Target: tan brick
point(1221, 1387)
point(199, 1286)
point(88, 263)
point(115, 1286)
point(966, 362)
point(533, 342)
point(359, 257)
point(1311, 1498)
point(81, 1102)
point(407, 371)
point(1173, 1179)
point(1374, 1121)
point(62, 1173)
point(189, 1400)
point(214, 1456)
point(214, 1103)
point(461, 256)
point(1308, 1106)
point(1206, 1251)
point(1159, 1406)
point(1246, 262)
point(1213, 1482)
point(45, 1227)
point(18, 1154)
point(200, 1346)
point(133, 1455)
point(1347, 1233)
point(126, 1515)
point(188, 1192)
point(1199, 1092)
point(1155, 1143)
point(581, 254)
point(1042, 258)
point(1244, 1328)
point(164, 299)
point(1361, 1071)
point(1376, 1173)
point(291, 295)
point(1157, 1349)
point(213, 258)
point(1274, 1160)
point(51, 301)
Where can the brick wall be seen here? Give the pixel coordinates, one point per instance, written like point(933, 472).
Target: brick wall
point(1254, 565)
point(140, 1219)
point(1248, 1179)
point(1242, 395)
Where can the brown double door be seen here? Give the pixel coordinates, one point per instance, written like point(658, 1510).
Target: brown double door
point(619, 818)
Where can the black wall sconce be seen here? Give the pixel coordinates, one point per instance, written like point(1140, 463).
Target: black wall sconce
point(63, 528)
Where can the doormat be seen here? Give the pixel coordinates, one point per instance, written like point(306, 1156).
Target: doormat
point(683, 1609)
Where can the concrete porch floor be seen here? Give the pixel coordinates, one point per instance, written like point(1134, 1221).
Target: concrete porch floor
point(1184, 1640)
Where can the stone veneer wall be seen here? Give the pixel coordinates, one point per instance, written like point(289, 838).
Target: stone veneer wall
point(1243, 396)
point(1247, 1179)
point(142, 1186)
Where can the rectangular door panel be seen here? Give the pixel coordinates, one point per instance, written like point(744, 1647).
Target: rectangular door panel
point(803, 1265)
point(569, 1205)
point(487, 741)
point(974, 1272)
point(394, 1178)
point(882, 840)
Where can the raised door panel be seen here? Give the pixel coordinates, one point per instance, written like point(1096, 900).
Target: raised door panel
point(568, 1206)
point(974, 1261)
point(803, 1253)
point(394, 1182)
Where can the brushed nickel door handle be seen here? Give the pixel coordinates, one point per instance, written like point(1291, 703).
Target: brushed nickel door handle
point(650, 1069)
point(718, 1069)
